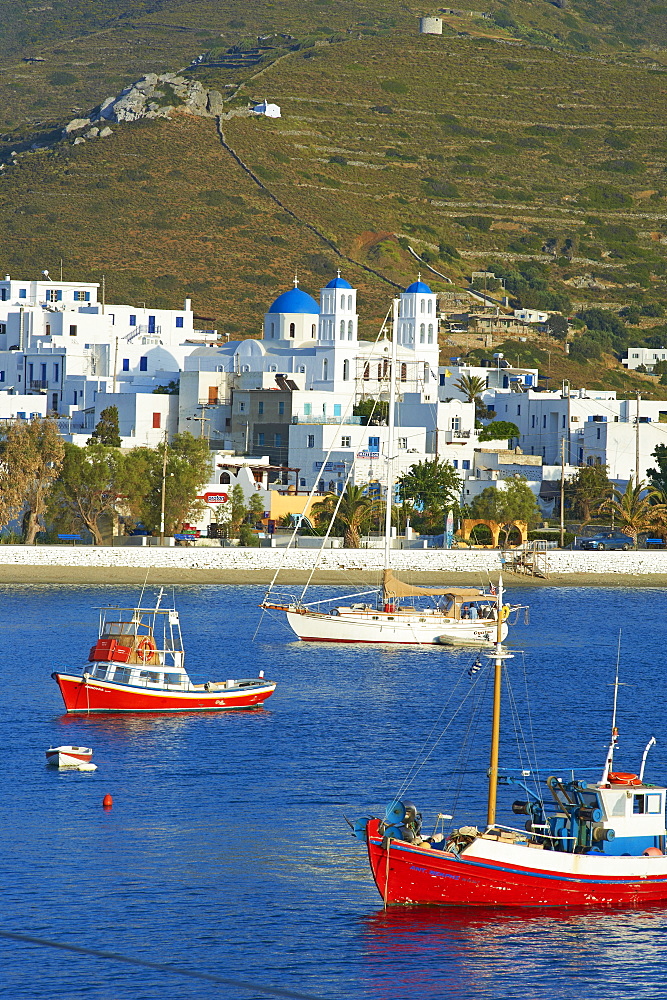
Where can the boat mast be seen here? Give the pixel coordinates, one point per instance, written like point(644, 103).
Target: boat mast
point(390, 453)
point(495, 724)
point(609, 762)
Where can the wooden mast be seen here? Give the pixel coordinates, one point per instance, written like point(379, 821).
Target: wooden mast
point(495, 724)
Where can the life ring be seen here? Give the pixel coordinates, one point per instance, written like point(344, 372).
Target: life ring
point(505, 612)
point(146, 650)
point(621, 778)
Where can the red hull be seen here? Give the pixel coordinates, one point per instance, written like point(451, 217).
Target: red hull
point(410, 875)
point(97, 696)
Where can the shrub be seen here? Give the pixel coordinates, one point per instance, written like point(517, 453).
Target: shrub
point(585, 349)
point(481, 222)
point(394, 86)
point(622, 166)
point(604, 196)
point(62, 79)
point(443, 188)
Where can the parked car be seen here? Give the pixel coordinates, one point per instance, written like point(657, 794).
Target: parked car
point(607, 540)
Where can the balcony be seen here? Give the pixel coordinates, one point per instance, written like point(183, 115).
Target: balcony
point(452, 436)
point(39, 384)
point(301, 418)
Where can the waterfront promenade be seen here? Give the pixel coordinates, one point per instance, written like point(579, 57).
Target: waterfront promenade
point(63, 564)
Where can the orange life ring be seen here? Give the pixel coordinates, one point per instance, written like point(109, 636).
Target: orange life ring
point(146, 650)
point(621, 778)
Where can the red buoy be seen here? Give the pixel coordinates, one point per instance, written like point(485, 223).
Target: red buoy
point(107, 802)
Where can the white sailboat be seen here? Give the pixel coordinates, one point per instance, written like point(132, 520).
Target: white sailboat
point(465, 616)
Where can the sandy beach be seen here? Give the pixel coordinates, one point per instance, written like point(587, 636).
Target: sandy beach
point(163, 576)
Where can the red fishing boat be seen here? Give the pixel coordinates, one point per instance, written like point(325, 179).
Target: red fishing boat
point(583, 844)
point(138, 665)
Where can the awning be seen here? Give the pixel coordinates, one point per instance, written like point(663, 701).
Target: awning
point(396, 588)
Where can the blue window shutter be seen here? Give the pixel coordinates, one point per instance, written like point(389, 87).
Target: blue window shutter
point(337, 410)
point(59, 295)
point(23, 293)
point(133, 320)
point(179, 321)
point(143, 364)
point(87, 296)
point(126, 364)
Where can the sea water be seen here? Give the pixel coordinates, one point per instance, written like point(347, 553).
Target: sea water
point(227, 851)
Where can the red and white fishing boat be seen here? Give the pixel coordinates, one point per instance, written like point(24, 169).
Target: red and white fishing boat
point(68, 756)
point(584, 843)
point(138, 665)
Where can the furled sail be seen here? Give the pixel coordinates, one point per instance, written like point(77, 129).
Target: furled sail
point(396, 588)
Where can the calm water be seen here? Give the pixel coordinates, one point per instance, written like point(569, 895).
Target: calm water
point(226, 850)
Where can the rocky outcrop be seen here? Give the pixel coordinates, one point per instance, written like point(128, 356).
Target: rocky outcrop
point(154, 96)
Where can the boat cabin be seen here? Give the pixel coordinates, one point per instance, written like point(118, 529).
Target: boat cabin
point(624, 816)
point(139, 646)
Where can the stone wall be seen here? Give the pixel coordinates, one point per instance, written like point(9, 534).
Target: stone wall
point(88, 564)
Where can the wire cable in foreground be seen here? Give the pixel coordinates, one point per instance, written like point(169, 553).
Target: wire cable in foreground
point(241, 984)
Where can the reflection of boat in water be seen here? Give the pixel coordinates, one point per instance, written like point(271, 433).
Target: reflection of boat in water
point(463, 952)
point(138, 665)
point(584, 843)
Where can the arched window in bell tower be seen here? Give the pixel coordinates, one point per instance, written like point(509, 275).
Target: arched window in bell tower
point(350, 329)
point(292, 330)
point(342, 329)
point(346, 370)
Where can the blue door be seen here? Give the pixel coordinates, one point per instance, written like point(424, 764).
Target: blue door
point(151, 324)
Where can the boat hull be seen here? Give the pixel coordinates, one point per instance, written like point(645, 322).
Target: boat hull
point(68, 756)
point(397, 628)
point(92, 695)
point(491, 873)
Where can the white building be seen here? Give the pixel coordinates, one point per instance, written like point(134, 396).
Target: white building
point(646, 357)
point(59, 340)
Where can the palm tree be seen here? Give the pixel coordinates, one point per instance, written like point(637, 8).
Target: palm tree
point(639, 508)
point(354, 516)
point(472, 387)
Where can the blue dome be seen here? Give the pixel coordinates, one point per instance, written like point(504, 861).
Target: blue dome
point(295, 301)
point(419, 286)
point(339, 283)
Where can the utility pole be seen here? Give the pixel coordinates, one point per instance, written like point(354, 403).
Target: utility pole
point(562, 491)
point(164, 488)
point(637, 443)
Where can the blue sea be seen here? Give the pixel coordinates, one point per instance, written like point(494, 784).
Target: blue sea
point(226, 851)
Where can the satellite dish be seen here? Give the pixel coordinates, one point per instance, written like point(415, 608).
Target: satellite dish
point(45, 273)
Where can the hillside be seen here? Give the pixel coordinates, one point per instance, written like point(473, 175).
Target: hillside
point(507, 143)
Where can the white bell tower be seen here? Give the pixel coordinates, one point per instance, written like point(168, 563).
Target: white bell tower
point(417, 325)
point(339, 321)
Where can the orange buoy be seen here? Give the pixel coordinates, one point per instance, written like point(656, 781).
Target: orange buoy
point(107, 802)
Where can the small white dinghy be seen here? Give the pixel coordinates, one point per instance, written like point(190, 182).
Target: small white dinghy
point(70, 756)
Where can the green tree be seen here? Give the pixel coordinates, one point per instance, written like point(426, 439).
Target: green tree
point(658, 477)
point(516, 502)
point(188, 469)
point(107, 431)
point(471, 387)
point(586, 490)
point(355, 514)
point(32, 455)
point(255, 508)
point(637, 509)
point(376, 411)
point(237, 511)
point(432, 488)
point(557, 326)
point(499, 430)
point(87, 488)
